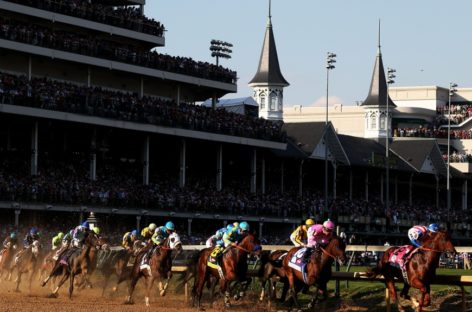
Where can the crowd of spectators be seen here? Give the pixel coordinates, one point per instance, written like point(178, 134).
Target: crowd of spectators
point(431, 132)
point(458, 113)
point(90, 45)
point(459, 157)
point(95, 101)
point(129, 17)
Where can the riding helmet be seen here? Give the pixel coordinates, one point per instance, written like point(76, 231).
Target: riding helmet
point(309, 222)
point(244, 226)
point(96, 230)
point(152, 226)
point(329, 225)
point(134, 233)
point(433, 227)
point(170, 226)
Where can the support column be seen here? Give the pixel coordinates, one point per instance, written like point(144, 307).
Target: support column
point(382, 188)
point(263, 176)
point(219, 168)
point(141, 88)
point(177, 98)
point(437, 191)
point(350, 184)
point(335, 169)
point(300, 178)
point(145, 158)
point(34, 149)
point(260, 229)
point(93, 156)
point(183, 163)
point(282, 171)
point(253, 171)
point(396, 189)
point(189, 226)
point(410, 191)
point(17, 218)
point(366, 186)
point(89, 76)
point(464, 194)
point(30, 67)
point(214, 101)
point(138, 223)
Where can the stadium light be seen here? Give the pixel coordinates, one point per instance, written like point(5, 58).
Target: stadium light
point(330, 60)
point(452, 91)
point(390, 80)
point(219, 49)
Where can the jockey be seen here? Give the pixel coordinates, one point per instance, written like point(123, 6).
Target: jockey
point(57, 241)
point(231, 237)
point(128, 239)
point(299, 236)
point(80, 233)
point(148, 231)
point(32, 235)
point(10, 241)
point(417, 232)
point(218, 236)
point(65, 244)
point(162, 232)
point(318, 234)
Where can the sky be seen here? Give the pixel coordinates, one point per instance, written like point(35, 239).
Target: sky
point(428, 42)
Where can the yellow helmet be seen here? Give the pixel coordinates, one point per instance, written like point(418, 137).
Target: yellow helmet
point(309, 222)
point(96, 230)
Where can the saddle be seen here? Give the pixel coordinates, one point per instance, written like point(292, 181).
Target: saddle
point(64, 259)
point(400, 257)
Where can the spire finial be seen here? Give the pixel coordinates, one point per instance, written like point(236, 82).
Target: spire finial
point(270, 4)
point(378, 52)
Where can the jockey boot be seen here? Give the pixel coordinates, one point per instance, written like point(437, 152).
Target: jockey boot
point(306, 255)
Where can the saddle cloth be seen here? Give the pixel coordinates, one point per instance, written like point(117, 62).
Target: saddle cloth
point(296, 262)
point(400, 257)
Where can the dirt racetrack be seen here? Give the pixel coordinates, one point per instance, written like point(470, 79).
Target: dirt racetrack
point(90, 300)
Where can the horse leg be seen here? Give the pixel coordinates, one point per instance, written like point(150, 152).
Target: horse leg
point(404, 292)
point(212, 281)
point(107, 278)
point(71, 284)
point(198, 284)
point(18, 281)
point(132, 285)
point(224, 289)
point(148, 288)
point(292, 292)
point(64, 277)
point(427, 296)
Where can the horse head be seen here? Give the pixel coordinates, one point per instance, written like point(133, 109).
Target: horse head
point(174, 242)
point(35, 248)
point(250, 244)
point(336, 249)
point(439, 241)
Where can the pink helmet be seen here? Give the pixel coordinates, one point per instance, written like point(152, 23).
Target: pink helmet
point(328, 224)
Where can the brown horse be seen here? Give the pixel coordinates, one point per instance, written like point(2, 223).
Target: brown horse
point(233, 268)
point(160, 265)
point(320, 258)
point(78, 262)
point(6, 255)
point(27, 260)
point(420, 269)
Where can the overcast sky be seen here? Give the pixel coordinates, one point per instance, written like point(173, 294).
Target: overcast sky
point(428, 42)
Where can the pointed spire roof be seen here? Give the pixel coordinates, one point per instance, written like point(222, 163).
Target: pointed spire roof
point(378, 86)
point(269, 69)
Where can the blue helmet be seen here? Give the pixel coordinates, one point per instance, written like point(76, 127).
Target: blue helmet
point(229, 227)
point(33, 231)
point(134, 233)
point(85, 224)
point(170, 226)
point(244, 226)
point(433, 227)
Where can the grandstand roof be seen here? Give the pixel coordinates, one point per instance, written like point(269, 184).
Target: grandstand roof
point(422, 154)
point(269, 69)
point(248, 100)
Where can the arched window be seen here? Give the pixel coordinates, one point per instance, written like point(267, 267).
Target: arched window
point(373, 121)
point(382, 122)
point(263, 100)
point(273, 101)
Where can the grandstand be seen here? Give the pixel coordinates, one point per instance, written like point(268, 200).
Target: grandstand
point(94, 118)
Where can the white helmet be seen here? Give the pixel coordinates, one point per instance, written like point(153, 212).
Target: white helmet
point(152, 226)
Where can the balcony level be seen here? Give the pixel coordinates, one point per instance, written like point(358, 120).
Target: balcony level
point(54, 17)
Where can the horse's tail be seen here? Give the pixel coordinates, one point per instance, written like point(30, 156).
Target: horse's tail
point(263, 261)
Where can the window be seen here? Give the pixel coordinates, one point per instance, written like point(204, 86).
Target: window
point(382, 122)
point(263, 99)
point(273, 102)
point(373, 121)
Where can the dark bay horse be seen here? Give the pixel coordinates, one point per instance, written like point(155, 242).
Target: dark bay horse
point(420, 269)
point(6, 255)
point(271, 267)
point(27, 260)
point(78, 263)
point(233, 267)
point(160, 266)
point(320, 259)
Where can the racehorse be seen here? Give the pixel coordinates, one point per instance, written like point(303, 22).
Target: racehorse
point(233, 267)
point(27, 261)
point(160, 265)
point(6, 255)
point(116, 262)
point(271, 267)
point(320, 258)
point(420, 269)
point(78, 262)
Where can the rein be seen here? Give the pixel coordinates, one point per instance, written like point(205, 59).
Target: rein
point(242, 249)
point(327, 253)
point(429, 249)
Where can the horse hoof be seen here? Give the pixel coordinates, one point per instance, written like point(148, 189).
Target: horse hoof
point(162, 293)
point(52, 296)
point(129, 302)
